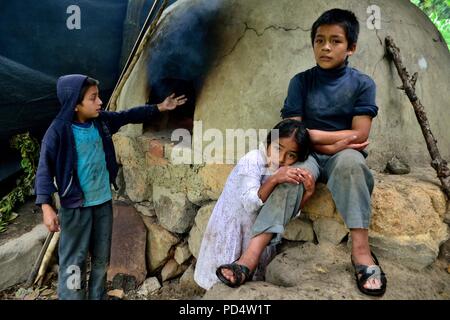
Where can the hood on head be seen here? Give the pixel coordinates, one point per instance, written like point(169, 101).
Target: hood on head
point(68, 89)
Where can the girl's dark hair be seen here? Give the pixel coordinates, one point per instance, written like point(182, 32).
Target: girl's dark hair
point(344, 18)
point(89, 82)
point(288, 128)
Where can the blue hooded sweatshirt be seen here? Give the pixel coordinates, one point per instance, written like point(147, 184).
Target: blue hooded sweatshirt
point(57, 162)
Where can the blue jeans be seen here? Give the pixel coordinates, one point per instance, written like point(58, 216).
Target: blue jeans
point(84, 230)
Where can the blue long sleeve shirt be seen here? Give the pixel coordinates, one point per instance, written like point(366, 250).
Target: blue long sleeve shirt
point(328, 99)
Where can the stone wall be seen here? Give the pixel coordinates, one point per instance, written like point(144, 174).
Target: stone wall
point(176, 201)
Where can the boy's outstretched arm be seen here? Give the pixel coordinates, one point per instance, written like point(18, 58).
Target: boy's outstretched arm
point(171, 102)
point(115, 120)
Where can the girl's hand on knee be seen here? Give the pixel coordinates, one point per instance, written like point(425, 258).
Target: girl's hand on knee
point(288, 175)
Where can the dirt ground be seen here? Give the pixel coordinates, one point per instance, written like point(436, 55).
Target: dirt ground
point(29, 216)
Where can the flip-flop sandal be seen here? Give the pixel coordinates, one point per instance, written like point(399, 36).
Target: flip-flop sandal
point(240, 272)
point(363, 273)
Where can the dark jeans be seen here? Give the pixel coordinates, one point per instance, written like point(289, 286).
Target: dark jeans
point(84, 230)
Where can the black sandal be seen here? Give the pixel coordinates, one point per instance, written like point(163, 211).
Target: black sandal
point(364, 273)
point(240, 272)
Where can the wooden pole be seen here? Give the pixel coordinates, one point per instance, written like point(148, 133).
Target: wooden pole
point(409, 83)
point(38, 262)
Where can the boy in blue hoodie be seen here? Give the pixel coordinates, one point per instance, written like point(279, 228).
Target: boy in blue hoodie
point(78, 161)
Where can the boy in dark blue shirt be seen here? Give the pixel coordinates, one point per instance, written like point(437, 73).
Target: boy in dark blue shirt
point(78, 161)
point(337, 103)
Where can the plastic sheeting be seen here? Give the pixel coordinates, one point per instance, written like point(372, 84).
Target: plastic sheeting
point(40, 41)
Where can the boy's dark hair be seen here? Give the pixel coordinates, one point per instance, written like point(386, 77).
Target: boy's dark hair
point(287, 128)
point(89, 82)
point(344, 18)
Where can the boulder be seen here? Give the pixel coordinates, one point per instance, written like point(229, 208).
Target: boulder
point(128, 244)
point(17, 256)
point(182, 253)
point(397, 166)
point(324, 272)
point(329, 230)
point(214, 177)
point(299, 230)
point(187, 281)
point(159, 244)
point(150, 285)
point(196, 233)
point(172, 269)
point(145, 208)
point(321, 205)
point(407, 219)
point(173, 209)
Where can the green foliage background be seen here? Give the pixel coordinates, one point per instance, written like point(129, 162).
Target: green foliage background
point(439, 12)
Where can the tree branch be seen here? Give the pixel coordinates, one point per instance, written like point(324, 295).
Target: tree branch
point(439, 164)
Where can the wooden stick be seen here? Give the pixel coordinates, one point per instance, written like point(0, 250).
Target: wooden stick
point(38, 262)
point(47, 257)
point(439, 164)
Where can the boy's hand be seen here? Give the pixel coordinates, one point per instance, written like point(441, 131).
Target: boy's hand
point(347, 143)
point(171, 102)
point(50, 218)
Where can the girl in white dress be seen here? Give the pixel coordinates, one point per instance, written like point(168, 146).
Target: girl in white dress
point(248, 186)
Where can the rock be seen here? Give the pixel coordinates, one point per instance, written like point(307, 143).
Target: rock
point(150, 285)
point(321, 205)
point(117, 293)
point(17, 256)
point(128, 244)
point(187, 280)
point(214, 177)
point(397, 166)
point(138, 183)
point(182, 253)
point(196, 233)
point(124, 282)
point(329, 230)
point(299, 230)
point(172, 269)
point(159, 244)
point(414, 252)
point(324, 271)
point(447, 218)
point(407, 216)
point(174, 211)
point(146, 209)
point(127, 149)
point(444, 251)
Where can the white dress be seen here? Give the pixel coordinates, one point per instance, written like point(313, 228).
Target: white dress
point(227, 234)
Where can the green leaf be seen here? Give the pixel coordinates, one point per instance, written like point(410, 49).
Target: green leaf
point(13, 216)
